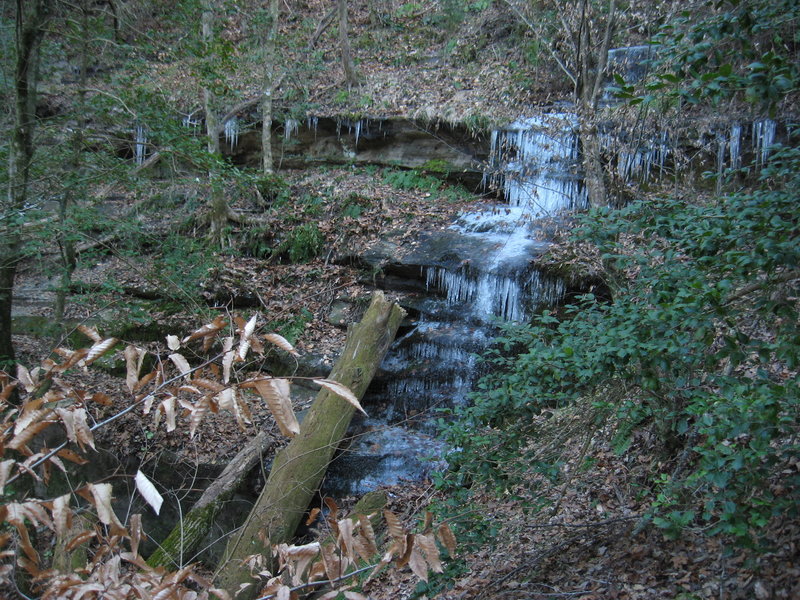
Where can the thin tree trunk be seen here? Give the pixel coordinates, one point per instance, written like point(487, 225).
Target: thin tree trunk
point(66, 241)
point(218, 206)
point(30, 20)
point(589, 93)
point(350, 74)
point(299, 468)
point(270, 84)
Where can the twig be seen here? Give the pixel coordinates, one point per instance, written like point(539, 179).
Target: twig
point(323, 25)
point(114, 417)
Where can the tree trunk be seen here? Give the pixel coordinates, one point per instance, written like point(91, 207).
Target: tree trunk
point(347, 58)
point(66, 240)
point(299, 468)
point(187, 535)
point(218, 206)
point(591, 82)
point(30, 20)
point(593, 172)
point(270, 83)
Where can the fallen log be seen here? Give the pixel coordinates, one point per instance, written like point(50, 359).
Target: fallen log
point(299, 468)
point(179, 546)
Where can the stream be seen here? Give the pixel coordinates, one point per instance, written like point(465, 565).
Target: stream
point(480, 272)
point(475, 274)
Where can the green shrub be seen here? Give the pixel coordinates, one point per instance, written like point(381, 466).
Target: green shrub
point(303, 243)
point(703, 337)
point(272, 187)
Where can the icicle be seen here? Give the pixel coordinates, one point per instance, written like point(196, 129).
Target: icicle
point(291, 128)
point(141, 144)
point(734, 146)
point(232, 132)
point(358, 130)
point(313, 124)
point(763, 138)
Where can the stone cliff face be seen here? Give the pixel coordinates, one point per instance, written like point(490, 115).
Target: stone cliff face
point(397, 142)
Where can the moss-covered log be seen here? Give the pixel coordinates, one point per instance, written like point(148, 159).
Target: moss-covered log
point(187, 535)
point(299, 468)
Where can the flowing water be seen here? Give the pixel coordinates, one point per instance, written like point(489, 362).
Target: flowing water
point(434, 364)
point(480, 272)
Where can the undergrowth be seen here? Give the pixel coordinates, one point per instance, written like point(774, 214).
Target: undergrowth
point(702, 341)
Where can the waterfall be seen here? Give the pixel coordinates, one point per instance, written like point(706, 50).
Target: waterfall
point(537, 158)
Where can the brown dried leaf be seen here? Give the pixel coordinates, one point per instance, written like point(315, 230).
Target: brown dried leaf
point(82, 430)
point(334, 508)
point(340, 390)
point(22, 439)
point(137, 533)
point(81, 538)
point(427, 544)
point(333, 566)
point(15, 515)
point(275, 393)
point(207, 330)
point(134, 357)
point(297, 558)
point(395, 527)
point(208, 384)
point(5, 472)
point(246, 334)
point(198, 413)
point(148, 491)
point(404, 549)
point(227, 364)
point(281, 342)
point(31, 411)
point(182, 364)
point(90, 332)
point(78, 431)
point(99, 349)
point(72, 456)
point(345, 538)
point(447, 538)
point(24, 377)
point(312, 514)
point(101, 399)
point(145, 380)
point(418, 564)
point(369, 535)
point(62, 515)
point(101, 495)
point(168, 405)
